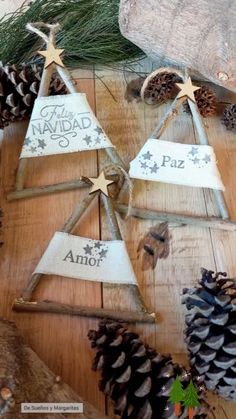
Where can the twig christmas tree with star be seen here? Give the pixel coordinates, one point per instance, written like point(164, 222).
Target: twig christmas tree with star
point(59, 124)
point(181, 164)
point(88, 259)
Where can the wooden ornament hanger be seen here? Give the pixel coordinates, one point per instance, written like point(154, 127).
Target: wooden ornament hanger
point(25, 303)
point(223, 222)
point(53, 61)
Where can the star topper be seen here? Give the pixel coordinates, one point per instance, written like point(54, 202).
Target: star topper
point(187, 89)
point(52, 55)
point(100, 183)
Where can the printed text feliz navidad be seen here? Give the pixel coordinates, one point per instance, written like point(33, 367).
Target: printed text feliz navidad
point(56, 118)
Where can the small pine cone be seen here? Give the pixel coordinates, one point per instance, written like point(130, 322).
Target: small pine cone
point(229, 117)
point(18, 90)
point(135, 376)
point(206, 101)
point(160, 87)
point(211, 332)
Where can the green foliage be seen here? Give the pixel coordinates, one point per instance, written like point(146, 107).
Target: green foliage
point(176, 392)
point(191, 396)
point(89, 32)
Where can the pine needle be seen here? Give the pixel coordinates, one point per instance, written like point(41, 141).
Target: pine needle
point(89, 33)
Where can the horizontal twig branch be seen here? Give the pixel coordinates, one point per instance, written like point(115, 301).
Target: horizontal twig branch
point(178, 219)
point(20, 305)
point(57, 187)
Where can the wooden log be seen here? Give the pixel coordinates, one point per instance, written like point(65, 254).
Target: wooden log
point(178, 219)
point(96, 312)
point(198, 35)
point(26, 378)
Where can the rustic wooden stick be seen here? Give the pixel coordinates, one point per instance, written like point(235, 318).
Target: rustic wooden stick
point(67, 228)
point(43, 91)
point(78, 212)
point(111, 216)
point(46, 190)
point(54, 188)
point(100, 313)
point(202, 135)
point(20, 175)
point(66, 77)
point(178, 219)
point(168, 117)
point(116, 235)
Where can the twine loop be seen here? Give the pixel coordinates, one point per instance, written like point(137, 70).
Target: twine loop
point(35, 28)
point(124, 183)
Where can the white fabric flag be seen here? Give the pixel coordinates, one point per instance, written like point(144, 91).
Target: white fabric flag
point(180, 164)
point(83, 258)
point(63, 124)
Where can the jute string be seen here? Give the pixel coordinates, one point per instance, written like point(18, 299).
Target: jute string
point(53, 29)
point(124, 183)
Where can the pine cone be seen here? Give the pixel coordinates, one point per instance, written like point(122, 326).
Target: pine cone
point(229, 117)
point(211, 332)
point(135, 376)
point(160, 87)
point(18, 90)
point(206, 101)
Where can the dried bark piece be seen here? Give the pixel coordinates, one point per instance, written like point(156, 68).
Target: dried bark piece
point(25, 378)
point(154, 245)
point(133, 90)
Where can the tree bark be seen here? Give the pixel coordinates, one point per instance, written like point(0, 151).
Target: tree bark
point(25, 378)
point(199, 35)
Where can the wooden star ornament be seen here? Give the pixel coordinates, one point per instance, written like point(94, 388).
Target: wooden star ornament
point(187, 89)
point(52, 55)
point(100, 183)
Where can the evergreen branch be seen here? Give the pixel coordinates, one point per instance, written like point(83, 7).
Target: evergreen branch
point(89, 33)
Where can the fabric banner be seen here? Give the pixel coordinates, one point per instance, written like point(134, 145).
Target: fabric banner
point(180, 164)
point(83, 258)
point(63, 124)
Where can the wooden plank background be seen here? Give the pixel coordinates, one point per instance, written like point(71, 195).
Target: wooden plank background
point(61, 341)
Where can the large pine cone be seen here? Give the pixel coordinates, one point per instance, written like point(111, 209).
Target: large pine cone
point(229, 117)
point(135, 376)
point(211, 332)
point(18, 90)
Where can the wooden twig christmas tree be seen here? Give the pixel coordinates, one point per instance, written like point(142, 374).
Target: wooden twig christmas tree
point(84, 258)
point(59, 124)
point(181, 164)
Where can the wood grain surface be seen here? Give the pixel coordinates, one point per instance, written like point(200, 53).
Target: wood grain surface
point(28, 225)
